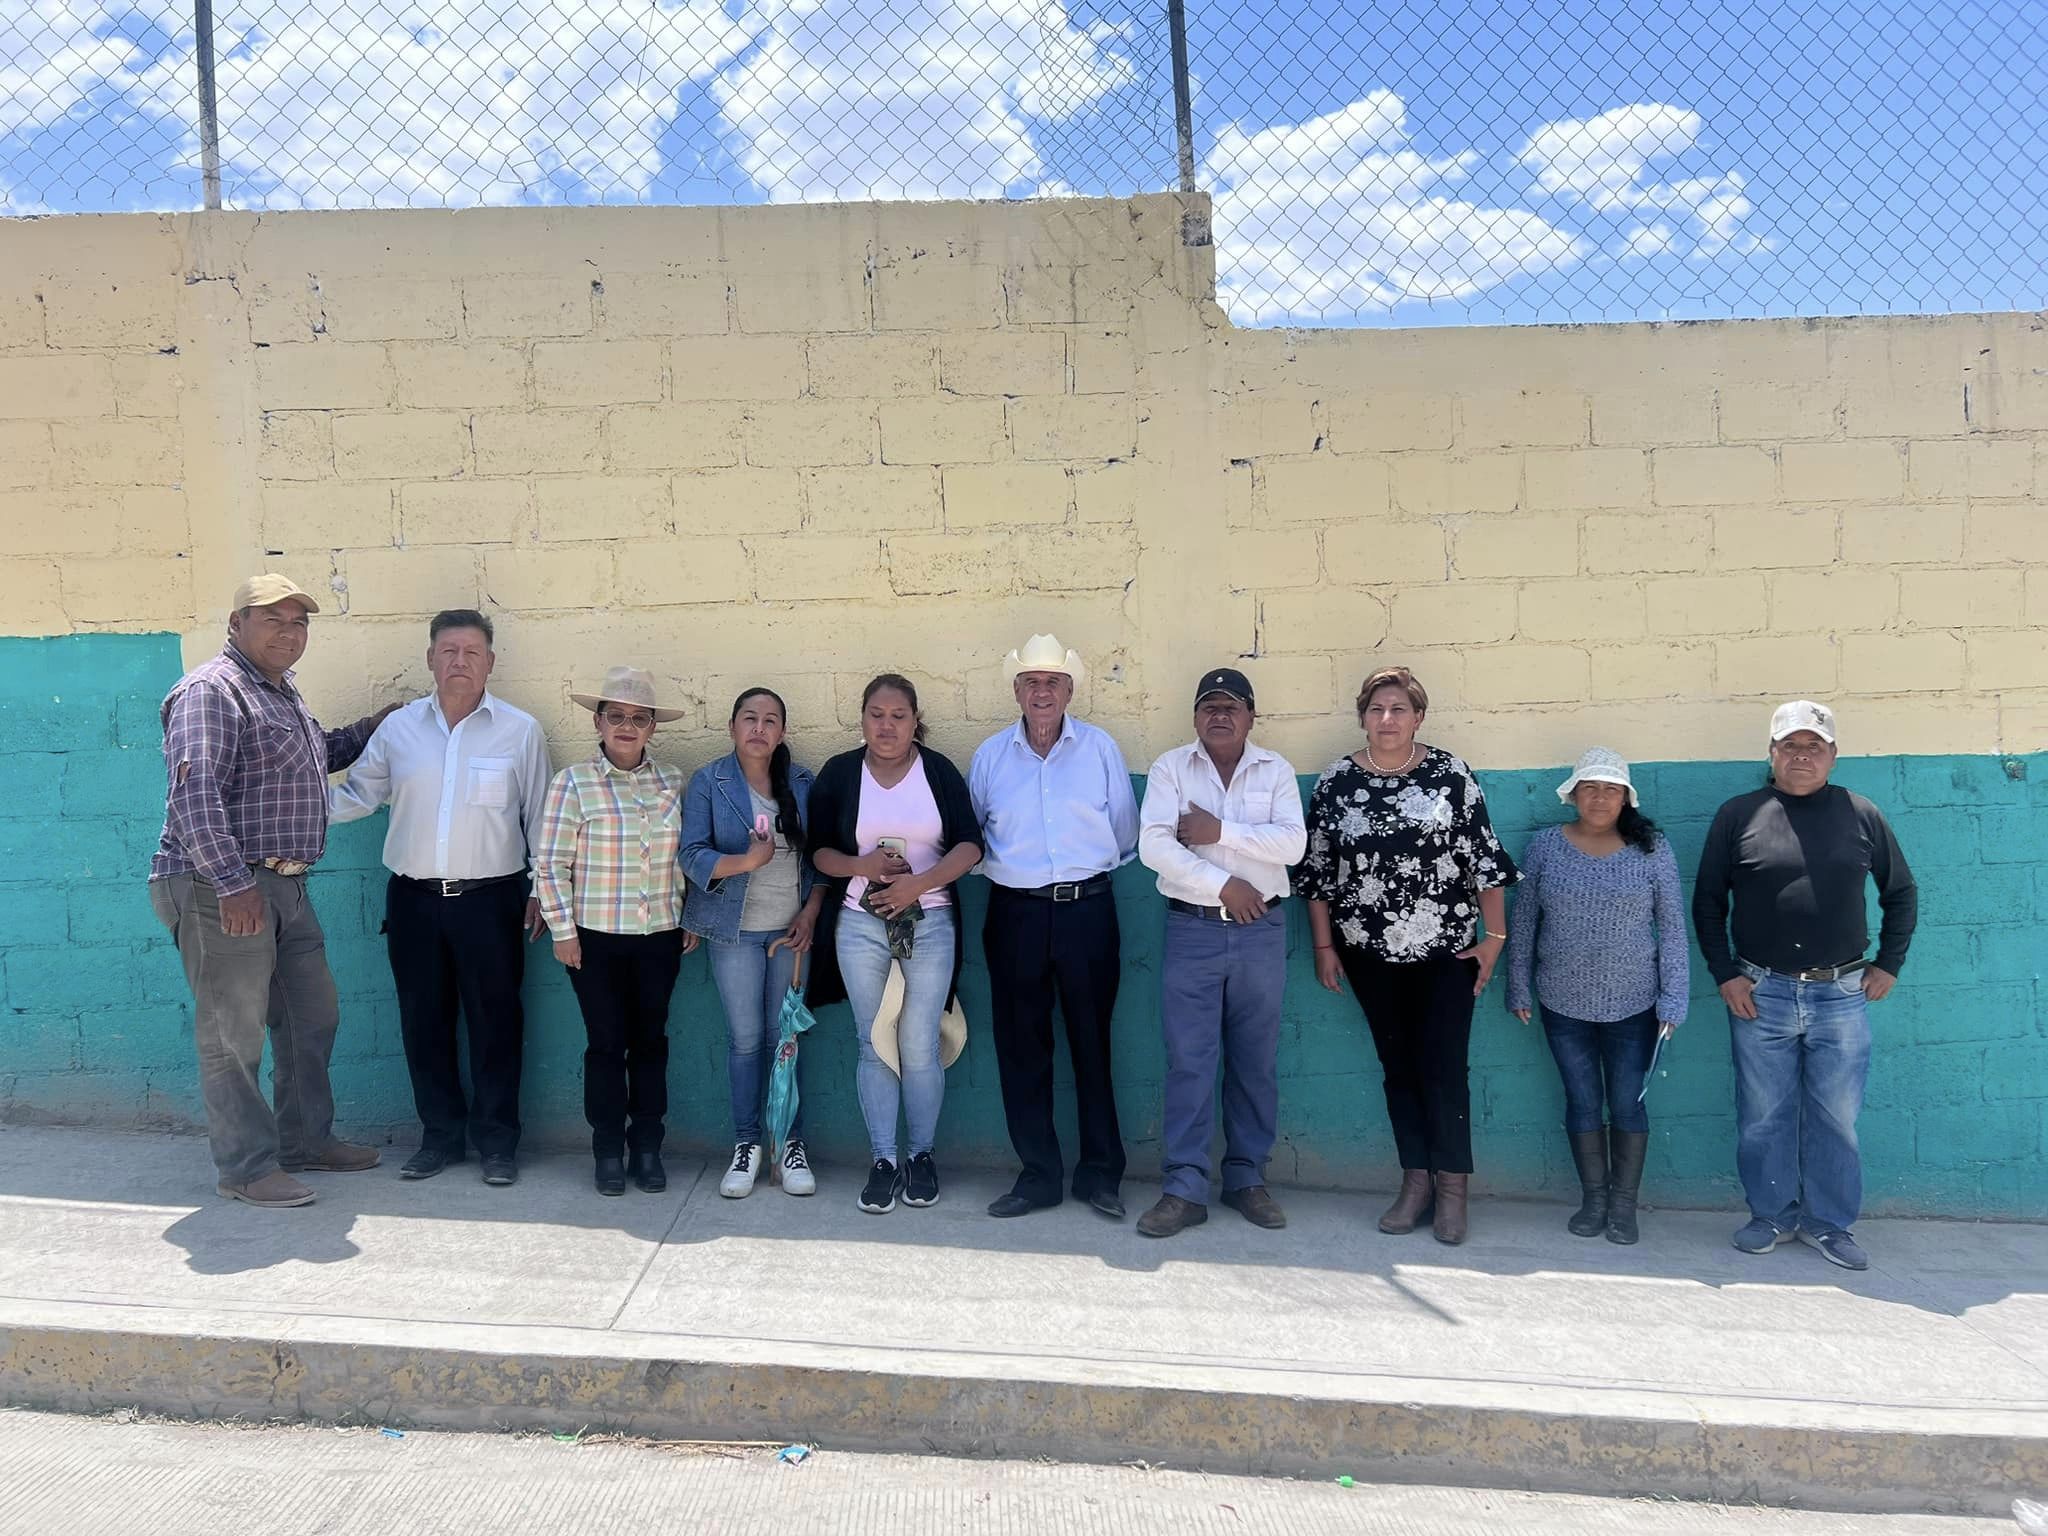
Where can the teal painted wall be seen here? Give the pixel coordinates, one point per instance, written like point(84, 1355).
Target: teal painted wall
point(95, 1021)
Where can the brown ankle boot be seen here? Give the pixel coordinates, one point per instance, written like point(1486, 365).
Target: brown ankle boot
point(1450, 1206)
point(1411, 1206)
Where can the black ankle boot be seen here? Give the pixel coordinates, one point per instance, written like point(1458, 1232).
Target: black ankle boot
point(648, 1174)
point(1589, 1152)
point(1630, 1148)
point(611, 1176)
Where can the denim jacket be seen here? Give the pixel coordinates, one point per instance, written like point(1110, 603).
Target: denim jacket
point(718, 819)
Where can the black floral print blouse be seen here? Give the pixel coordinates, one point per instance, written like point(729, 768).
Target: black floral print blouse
point(1401, 858)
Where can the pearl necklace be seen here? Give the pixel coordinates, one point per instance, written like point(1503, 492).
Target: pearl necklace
point(1390, 773)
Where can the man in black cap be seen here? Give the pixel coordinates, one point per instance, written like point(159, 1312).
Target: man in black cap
point(1220, 825)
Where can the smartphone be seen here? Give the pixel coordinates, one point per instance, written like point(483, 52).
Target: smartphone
point(895, 845)
point(763, 829)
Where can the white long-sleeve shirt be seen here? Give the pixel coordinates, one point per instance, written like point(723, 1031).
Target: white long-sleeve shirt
point(465, 802)
point(1263, 829)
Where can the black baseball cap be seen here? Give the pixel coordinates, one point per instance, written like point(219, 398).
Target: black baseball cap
point(1226, 680)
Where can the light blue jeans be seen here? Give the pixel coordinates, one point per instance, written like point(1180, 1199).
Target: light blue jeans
point(751, 984)
point(863, 946)
point(1800, 1066)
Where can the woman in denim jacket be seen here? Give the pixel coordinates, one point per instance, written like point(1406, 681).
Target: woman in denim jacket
point(747, 857)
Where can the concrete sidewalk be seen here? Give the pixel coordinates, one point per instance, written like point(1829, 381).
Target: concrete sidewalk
point(1527, 1358)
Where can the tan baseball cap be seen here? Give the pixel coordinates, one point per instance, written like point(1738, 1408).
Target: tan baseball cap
point(262, 591)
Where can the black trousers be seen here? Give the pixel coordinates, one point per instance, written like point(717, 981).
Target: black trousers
point(1037, 950)
point(465, 950)
point(1420, 1014)
point(624, 987)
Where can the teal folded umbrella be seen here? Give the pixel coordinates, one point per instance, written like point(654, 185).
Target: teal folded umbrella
point(782, 1094)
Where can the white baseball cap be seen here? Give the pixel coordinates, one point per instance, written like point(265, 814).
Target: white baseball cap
point(1599, 765)
point(1803, 715)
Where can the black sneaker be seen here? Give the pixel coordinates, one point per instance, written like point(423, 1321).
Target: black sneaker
point(921, 1181)
point(879, 1197)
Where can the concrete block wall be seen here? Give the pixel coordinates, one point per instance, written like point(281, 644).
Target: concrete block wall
point(801, 445)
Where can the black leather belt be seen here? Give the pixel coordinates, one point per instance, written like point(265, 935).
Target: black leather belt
point(457, 887)
point(1063, 890)
point(1824, 973)
point(1217, 914)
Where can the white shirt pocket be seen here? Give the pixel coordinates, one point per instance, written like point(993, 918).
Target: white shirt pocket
point(1258, 806)
point(490, 782)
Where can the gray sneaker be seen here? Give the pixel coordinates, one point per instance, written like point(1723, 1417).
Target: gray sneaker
point(1760, 1236)
point(1837, 1248)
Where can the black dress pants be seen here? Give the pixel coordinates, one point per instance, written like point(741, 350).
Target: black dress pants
point(1036, 950)
point(1420, 1014)
point(465, 950)
point(624, 986)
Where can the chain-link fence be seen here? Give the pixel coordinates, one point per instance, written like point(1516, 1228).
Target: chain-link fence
point(1405, 161)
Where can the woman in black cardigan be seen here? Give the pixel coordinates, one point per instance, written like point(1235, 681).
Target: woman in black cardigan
point(891, 830)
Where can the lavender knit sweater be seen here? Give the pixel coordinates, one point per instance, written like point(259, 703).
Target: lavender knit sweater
point(1605, 938)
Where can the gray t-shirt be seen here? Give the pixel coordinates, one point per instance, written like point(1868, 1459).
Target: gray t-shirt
point(772, 889)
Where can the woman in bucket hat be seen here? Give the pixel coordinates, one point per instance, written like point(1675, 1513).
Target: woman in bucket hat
point(611, 892)
point(1599, 940)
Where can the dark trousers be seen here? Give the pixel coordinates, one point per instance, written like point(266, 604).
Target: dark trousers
point(467, 950)
point(1603, 1064)
point(1420, 1014)
point(624, 986)
point(1037, 950)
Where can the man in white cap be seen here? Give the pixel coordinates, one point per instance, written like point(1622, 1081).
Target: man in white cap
point(1794, 856)
point(1220, 825)
point(466, 775)
point(245, 818)
point(1057, 814)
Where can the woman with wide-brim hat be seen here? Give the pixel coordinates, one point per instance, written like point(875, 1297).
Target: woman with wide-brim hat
point(611, 892)
point(1599, 943)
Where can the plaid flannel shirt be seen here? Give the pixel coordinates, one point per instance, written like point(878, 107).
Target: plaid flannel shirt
point(247, 768)
point(607, 855)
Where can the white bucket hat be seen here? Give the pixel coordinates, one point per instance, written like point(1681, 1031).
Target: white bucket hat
point(1599, 765)
point(1043, 653)
point(882, 1034)
point(1803, 715)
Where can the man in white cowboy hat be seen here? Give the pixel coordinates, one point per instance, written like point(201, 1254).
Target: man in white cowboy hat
point(245, 818)
point(1795, 857)
point(1057, 814)
point(465, 775)
point(1220, 825)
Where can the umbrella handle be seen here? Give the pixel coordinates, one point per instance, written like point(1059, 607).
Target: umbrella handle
point(796, 977)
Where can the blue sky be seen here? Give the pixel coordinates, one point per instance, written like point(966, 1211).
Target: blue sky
point(1404, 162)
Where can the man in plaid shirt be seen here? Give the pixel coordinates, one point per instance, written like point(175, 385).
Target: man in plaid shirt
point(245, 818)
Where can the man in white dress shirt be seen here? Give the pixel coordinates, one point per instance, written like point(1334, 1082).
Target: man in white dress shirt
point(1058, 817)
point(1221, 823)
point(466, 776)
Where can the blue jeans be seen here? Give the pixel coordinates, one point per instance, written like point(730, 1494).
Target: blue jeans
point(752, 986)
point(863, 946)
point(1219, 1004)
point(1587, 1052)
point(1800, 1066)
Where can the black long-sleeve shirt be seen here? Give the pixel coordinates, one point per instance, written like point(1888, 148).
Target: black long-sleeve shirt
point(1795, 866)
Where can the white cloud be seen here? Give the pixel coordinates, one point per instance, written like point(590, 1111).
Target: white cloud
point(1340, 214)
point(909, 98)
point(1603, 162)
point(56, 55)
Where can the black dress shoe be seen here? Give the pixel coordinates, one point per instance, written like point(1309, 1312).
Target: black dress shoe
point(427, 1162)
point(648, 1174)
point(1017, 1205)
point(611, 1175)
point(501, 1170)
point(1108, 1202)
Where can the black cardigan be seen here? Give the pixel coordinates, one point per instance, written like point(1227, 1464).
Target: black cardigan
point(835, 812)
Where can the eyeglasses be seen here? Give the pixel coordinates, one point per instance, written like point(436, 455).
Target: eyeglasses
point(619, 720)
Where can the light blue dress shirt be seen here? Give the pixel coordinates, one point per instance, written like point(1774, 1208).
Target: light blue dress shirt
point(1069, 815)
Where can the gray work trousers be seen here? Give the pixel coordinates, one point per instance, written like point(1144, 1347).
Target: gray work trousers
point(275, 984)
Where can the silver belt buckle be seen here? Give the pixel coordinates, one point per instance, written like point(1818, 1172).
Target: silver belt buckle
point(1223, 912)
point(1066, 890)
point(448, 887)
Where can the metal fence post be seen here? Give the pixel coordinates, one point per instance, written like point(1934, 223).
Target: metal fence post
point(209, 104)
point(1194, 227)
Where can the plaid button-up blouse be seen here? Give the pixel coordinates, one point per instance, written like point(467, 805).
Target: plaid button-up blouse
point(607, 855)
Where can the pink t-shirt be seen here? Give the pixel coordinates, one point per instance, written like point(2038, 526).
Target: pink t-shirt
point(907, 811)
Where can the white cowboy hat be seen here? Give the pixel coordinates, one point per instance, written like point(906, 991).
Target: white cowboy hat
point(626, 685)
point(1043, 653)
point(1599, 765)
point(882, 1035)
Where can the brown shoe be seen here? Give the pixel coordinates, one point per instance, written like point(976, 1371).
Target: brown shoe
point(335, 1157)
point(1172, 1214)
point(1256, 1206)
point(1411, 1206)
point(275, 1191)
point(1451, 1189)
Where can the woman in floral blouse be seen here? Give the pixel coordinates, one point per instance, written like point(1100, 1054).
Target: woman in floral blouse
point(1406, 897)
